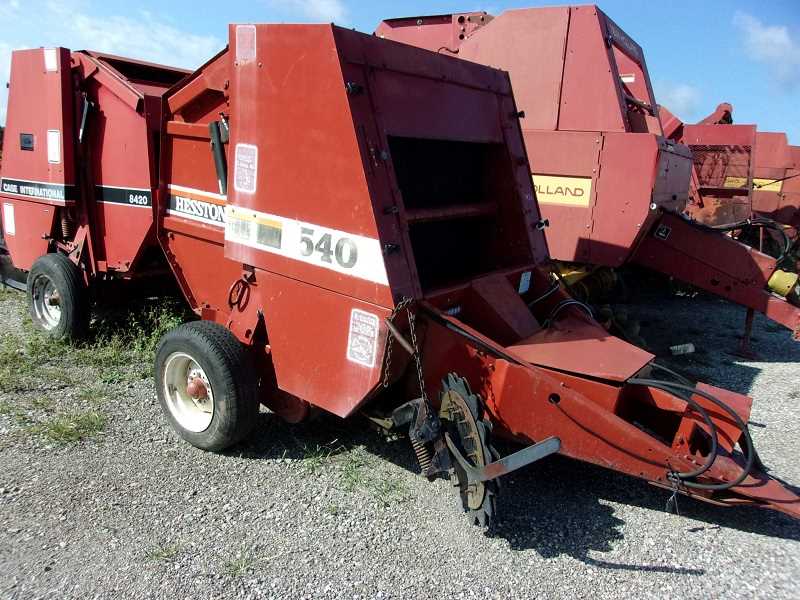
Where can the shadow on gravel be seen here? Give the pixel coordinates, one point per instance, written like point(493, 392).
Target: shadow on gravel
point(554, 507)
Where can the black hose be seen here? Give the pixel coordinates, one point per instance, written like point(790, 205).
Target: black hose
point(750, 454)
point(553, 289)
point(757, 222)
point(564, 304)
point(675, 374)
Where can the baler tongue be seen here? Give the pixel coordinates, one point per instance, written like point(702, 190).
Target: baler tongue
point(606, 406)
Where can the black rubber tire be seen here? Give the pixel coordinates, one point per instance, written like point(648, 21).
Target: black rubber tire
point(74, 297)
point(230, 372)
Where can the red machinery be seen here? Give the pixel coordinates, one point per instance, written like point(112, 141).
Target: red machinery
point(79, 174)
point(355, 222)
point(611, 185)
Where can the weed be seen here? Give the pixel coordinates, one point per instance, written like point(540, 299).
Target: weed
point(388, 491)
point(163, 553)
point(352, 466)
point(70, 428)
point(239, 566)
point(315, 457)
point(19, 416)
point(43, 403)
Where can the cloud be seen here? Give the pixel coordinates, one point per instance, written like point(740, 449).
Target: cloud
point(772, 45)
point(326, 11)
point(73, 24)
point(681, 99)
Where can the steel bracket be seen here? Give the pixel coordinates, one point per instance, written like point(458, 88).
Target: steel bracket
point(508, 464)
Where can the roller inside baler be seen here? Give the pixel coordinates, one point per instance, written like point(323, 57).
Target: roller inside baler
point(612, 186)
point(329, 276)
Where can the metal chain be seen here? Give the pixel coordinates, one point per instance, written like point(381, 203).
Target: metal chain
point(404, 305)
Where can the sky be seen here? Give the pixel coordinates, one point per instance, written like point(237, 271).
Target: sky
point(699, 53)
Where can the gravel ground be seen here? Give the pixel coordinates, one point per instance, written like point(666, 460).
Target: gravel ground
point(328, 510)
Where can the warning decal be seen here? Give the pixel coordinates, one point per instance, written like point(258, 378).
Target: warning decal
point(245, 169)
point(362, 343)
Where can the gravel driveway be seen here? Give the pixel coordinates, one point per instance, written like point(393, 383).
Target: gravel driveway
point(100, 499)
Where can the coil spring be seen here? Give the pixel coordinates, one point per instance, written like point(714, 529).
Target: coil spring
point(423, 455)
point(67, 226)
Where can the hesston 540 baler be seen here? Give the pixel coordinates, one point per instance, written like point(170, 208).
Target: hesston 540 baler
point(611, 185)
point(376, 247)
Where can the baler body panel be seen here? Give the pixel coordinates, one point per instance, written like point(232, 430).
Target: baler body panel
point(773, 160)
point(38, 170)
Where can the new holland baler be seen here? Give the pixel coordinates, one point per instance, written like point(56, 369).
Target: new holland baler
point(355, 223)
point(612, 187)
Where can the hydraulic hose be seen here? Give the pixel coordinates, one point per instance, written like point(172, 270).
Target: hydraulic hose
point(685, 392)
point(757, 222)
point(564, 304)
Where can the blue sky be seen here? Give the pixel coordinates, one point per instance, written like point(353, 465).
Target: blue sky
point(699, 53)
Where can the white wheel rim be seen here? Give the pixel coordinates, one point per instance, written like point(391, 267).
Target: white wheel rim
point(46, 302)
point(193, 414)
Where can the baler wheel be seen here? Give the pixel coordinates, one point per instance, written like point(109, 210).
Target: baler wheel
point(58, 300)
point(461, 413)
point(206, 385)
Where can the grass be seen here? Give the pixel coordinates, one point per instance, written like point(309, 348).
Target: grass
point(239, 566)
point(357, 474)
point(35, 370)
point(315, 458)
point(70, 428)
point(163, 553)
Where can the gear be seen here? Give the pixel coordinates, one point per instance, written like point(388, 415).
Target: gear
point(462, 416)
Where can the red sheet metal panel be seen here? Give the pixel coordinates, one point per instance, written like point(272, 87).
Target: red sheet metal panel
point(590, 95)
point(38, 139)
point(509, 43)
point(566, 167)
point(578, 345)
point(624, 189)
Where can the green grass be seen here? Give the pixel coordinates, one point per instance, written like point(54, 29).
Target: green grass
point(352, 470)
point(82, 375)
point(239, 566)
point(163, 553)
point(315, 458)
point(70, 428)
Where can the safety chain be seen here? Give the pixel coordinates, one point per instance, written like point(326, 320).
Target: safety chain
point(404, 304)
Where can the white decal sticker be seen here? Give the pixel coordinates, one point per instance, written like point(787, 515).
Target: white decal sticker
point(525, 282)
point(50, 60)
point(245, 169)
point(628, 78)
point(339, 251)
point(9, 225)
point(362, 342)
point(245, 43)
point(53, 146)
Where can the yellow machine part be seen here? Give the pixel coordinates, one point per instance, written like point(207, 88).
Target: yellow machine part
point(782, 282)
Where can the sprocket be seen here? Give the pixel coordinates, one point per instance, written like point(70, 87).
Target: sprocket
point(462, 416)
